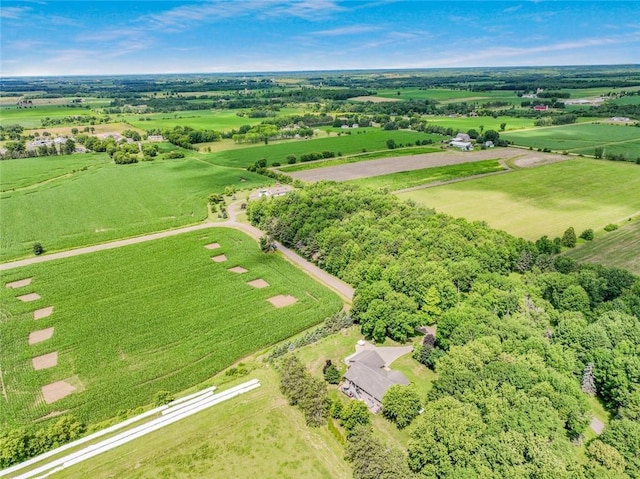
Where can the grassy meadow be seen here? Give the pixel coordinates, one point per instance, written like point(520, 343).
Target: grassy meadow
point(545, 200)
point(106, 201)
point(257, 431)
point(413, 178)
point(582, 138)
point(465, 123)
point(159, 315)
point(617, 248)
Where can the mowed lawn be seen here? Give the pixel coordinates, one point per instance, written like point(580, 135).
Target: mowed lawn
point(106, 201)
point(582, 138)
point(360, 140)
point(545, 200)
point(617, 248)
point(135, 320)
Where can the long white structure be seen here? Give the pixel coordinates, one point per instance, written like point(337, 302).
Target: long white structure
point(174, 411)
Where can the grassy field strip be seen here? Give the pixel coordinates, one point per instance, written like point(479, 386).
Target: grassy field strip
point(170, 415)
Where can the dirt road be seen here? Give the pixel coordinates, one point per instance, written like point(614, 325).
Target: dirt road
point(337, 285)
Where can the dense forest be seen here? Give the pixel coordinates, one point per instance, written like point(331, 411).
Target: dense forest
point(519, 332)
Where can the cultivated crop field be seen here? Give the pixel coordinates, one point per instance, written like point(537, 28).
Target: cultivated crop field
point(617, 248)
point(138, 319)
point(464, 123)
point(582, 138)
point(106, 201)
point(25, 172)
point(368, 139)
point(546, 200)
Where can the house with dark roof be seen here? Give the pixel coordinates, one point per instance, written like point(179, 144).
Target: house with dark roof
point(368, 379)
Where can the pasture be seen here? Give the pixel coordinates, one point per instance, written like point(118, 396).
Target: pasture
point(367, 139)
point(582, 138)
point(544, 200)
point(106, 201)
point(414, 178)
point(135, 320)
point(618, 249)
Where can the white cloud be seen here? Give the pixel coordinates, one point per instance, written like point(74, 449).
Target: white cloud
point(13, 12)
point(352, 30)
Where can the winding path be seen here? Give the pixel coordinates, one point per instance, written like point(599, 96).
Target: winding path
point(337, 285)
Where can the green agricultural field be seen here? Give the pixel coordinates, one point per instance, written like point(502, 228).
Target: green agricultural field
point(135, 320)
point(108, 201)
point(369, 139)
point(627, 100)
point(413, 178)
point(26, 172)
point(445, 95)
point(220, 120)
point(617, 248)
point(30, 117)
point(488, 122)
point(582, 138)
point(544, 200)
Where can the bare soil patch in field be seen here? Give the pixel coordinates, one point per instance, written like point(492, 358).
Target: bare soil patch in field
point(40, 335)
point(282, 300)
point(45, 361)
point(373, 99)
point(385, 166)
point(219, 259)
point(28, 297)
point(19, 284)
point(43, 312)
point(535, 158)
point(258, 283)
point(55, 391)
point(212, 246)
point(238, 269)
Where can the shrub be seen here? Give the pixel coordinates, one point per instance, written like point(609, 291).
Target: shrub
point(162, 397)
point(38, 249)
point(611, 227)
point(587, 235)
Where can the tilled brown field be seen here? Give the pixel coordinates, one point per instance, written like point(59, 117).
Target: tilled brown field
point(385, 166)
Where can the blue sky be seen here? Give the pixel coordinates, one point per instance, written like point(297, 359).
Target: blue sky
point(121, 37)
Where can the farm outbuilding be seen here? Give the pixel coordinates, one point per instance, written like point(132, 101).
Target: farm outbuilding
point(462, 145)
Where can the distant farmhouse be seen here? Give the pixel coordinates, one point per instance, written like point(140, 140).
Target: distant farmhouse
point(462, 141)
point(368, 378)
